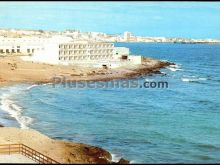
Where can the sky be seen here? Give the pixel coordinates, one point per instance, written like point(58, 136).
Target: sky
point(168, 19)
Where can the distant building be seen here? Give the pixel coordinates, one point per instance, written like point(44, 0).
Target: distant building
point(127, 36)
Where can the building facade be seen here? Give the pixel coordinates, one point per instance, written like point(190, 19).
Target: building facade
point(85, 52)
point(66, 51)
point(21, 46)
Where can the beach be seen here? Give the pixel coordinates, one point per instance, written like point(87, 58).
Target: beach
point(141, 125)
point(110, 83)
point(13, 70)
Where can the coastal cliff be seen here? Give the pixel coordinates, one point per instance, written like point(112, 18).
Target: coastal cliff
point(61, 151)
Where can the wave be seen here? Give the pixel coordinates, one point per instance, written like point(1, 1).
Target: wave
point(32, 86)
point(149, 80)
point(175, 67)
point(193, 79)
point(115, 158)
point(15, 111)
point(133, 162)
point(35, 85)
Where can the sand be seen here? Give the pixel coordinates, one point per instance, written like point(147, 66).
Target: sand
point(15, 158)
point(13, 70)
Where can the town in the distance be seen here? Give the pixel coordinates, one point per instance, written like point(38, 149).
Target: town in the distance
point(100, 36)
point(92, 49)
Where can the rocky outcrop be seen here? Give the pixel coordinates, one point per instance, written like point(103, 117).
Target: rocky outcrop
point(97, 155)
point(123, 161)
point(61, 151)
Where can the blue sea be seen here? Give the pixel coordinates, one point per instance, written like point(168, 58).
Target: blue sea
point(178, 124)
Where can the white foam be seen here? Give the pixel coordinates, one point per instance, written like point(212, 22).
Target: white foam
point(175, 67)
point(115, 158)
point(149, 80)
point(35, 85)
point(133, 162)
point(47, 84)
point(203, 79)
point(193, 79)
point(15, 111)
point(32, 86)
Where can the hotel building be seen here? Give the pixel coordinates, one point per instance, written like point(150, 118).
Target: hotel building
point(66, 51)
point(85, 51)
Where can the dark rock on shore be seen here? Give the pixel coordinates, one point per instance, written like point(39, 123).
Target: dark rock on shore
point(101, 156)
point(98, 155)
point(123, 161)
point(156, 72)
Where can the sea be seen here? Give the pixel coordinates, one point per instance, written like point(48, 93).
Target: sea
point(178, 124)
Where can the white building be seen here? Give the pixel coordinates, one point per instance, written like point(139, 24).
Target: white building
point(127, 36)
point(87, 53)
point(66, 51)
point(123, 54)
point(47, 52)
point(21, 46)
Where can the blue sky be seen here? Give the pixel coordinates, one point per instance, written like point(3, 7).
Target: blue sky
point(169, 19)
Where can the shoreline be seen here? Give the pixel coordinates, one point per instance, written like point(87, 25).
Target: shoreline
point(44, 73)
point(90, 154)
point(59, 150)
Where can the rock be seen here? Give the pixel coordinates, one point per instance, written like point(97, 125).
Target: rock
point(156, 72)
point(123, 161)
point(1, 125)
point(98, 155)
